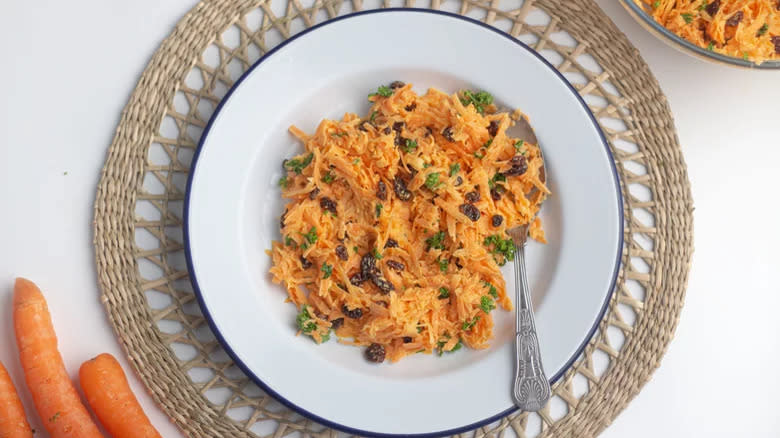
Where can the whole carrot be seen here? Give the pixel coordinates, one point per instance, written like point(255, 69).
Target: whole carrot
point(108, 393)
point(13, 422)
point(56, 400)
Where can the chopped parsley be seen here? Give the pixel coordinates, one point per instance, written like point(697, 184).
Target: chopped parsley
point(656, 4)
point(356, 161)
point(432, 181)
point(426, 165)
point(519, 145)
point(310, 237)
point(469, 324)
point(289, 241)
point(443, 264)
point(436, 241)
point(355, 248)
point(488, 143)
point(327, 269)
point(328, 177)
point(687, 17)
point(410, 146)
point(297, 165)
point(479, 155)
point(486, 304)
point(378, 209)
point(763, 30)
point(444, 293)
point(711, 46)
point(383, 91)
point(304, 320)
point(454, 169)
point(702, 6)
point(284, 182)
point(492, 289)
point(457, 347)
point(376, 254)
point(480, 100)
point(745, 56)
point(498, 177)
point(503, 247)
point(440, 346)
point(325, 338)
point(373, 116)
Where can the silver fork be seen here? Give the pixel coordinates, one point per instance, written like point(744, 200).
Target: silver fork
point(531, 389)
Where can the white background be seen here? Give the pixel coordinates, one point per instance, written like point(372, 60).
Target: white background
point(69, 67)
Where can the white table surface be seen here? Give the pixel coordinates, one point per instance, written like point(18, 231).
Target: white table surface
point(67, 71)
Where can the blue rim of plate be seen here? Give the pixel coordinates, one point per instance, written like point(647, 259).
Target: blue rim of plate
point(324, 421)
point(673, 37)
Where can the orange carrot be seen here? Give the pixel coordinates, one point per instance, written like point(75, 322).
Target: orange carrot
point(56, 400)
point(13, 422)
point(108, 393)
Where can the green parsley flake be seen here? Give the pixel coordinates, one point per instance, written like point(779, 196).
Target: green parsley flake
point(289, 241)
point(656, 4)
point(355, 248)
point(311, 236)
point(703, 5)
point(711, 46)
point(454, 169)
point(468, 325)
point(492, 289)
point(378, 209)
point(304, 320)
point(410, 146)
point(687, 17)
point(503, 247)
point(356, 161)
point(764, 29)
point(444, 293)
point(284, 182)
point(373, 116)
point(480, 100)
point(519, 145)
point(486, 304)
point(297, 165)
point(328, 177)
point(479, 155)
point(498, 177)
point(745, 56)
point(327, 269)
point(443, 264)
point(376, 254)
point(436, 241)
point(488, 143)
point(432, 181)
point(383, 91)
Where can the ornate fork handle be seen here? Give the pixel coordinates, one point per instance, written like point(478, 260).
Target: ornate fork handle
point(531, 389)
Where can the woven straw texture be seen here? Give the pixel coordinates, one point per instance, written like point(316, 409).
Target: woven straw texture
point(138, 213)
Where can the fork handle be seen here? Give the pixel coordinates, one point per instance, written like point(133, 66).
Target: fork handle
point(531, 390)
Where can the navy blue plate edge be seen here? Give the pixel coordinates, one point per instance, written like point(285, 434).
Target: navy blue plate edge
point(279, 397)
point(671, 36)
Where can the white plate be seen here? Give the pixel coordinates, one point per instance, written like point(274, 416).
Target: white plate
point(233, 207)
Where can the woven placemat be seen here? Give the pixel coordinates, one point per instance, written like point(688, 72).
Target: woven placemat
point(138, 212)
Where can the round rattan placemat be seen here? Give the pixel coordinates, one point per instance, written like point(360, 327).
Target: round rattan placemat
point(138, 212)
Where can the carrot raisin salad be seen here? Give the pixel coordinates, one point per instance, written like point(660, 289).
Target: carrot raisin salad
point(395, 227)
point(748, 29)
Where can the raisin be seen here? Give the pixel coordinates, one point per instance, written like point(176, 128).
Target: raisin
point(313, 194)
point(375, 353)
point(281, 219)
point(385, 287)
point(368, 265)
point(473, 197)
point(447, 134)
point(337, 323)
point(497, 220)
point(386, 130)
point(357, 279)
point(305, 263)
point(519, 166)
point(470, 211)
point(391, 243)
point(354, 313)
point(398, 266)
point(776, 41)
point(458, 181)
point(411, 107)
point(362, 127)
point(341, 252)
point(713, 7)
point(396, 84)
point(407, 339)
point(495, 193)
point(735, 19)
point(328, 204)
point(381, 190)
point(399, 186)
point(398, 126)
point(493, 128)
point(399, 140)
point(458, 264)
point(428, 131)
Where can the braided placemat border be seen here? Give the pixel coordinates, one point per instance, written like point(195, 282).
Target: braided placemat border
point(138, 246)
